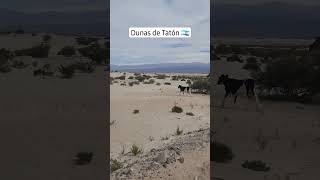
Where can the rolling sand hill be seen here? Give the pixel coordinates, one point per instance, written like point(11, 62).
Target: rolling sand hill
point(154, 129)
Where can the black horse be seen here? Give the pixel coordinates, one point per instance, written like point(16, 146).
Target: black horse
point(232, 86)
point(183, 88)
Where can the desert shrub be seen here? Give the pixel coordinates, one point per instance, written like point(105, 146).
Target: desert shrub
point(84, 67)
point(176, 109)
point(151, 81)
point(256, 166)
point(39, 51)
point(67, 51)
point(18, 64)
point(121, 77)
point(140, 78)
point(66, 71)
point(164, 138)
point(189, 114)
point(220, 153)
point(179, 131)
point(85, 40)
point(5, 57)
point(45, 70)
point(135, 150)
point(146, 76)
point(136, 111)
point(167, 83)
point(95, 52)
point(83, 158)
point(115, 165)
point(234, 58)
point(134, 83)
point(188, 82)
point(174, 78)
point(46, 38)
point(130, 77)
point(160, 76)
point(201, 85)
point(295, 78)
point(6, 54)
point(136, 74)
point(158, 84)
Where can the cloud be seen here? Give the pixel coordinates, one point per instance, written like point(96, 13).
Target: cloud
point(53, 5)
point(171, 13)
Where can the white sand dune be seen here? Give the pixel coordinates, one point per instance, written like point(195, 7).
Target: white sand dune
point(155, 119)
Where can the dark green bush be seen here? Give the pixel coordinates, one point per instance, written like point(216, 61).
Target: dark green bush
point(18, 64)
point(294, 77)
point(67, 51)
point(39, 51)
point(176, 109)
point(84, 67)
point(134, 83)
point(201, 85)
point(234, 58)
point(189, 114)
point(160, 76)
point(121, 78)
point(5, 57)
point(96, 53)
point(220, 152)
point(256, 166)
point(151, 81)
point(140, 78)
point(66, 71)
point(86, 40)
point(115, 165)
point(46, 38)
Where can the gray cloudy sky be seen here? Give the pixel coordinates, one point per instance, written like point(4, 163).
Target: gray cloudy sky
point(171, 13)
point(61, 5)
point(311, 2)
point(52, 5)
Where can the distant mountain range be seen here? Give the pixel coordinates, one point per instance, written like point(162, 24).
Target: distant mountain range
point(164, 68)
point(279, 20)
point(89, 22)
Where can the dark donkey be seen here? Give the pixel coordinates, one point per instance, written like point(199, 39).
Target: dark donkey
point(232, 87)
point(183, 88)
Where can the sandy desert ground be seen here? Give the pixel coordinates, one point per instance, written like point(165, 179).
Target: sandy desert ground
point(289, 130)
point(154, 127)
point(45, 122)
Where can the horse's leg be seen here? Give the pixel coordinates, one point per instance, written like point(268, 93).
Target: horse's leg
point(235, 98)
point(224, 98)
